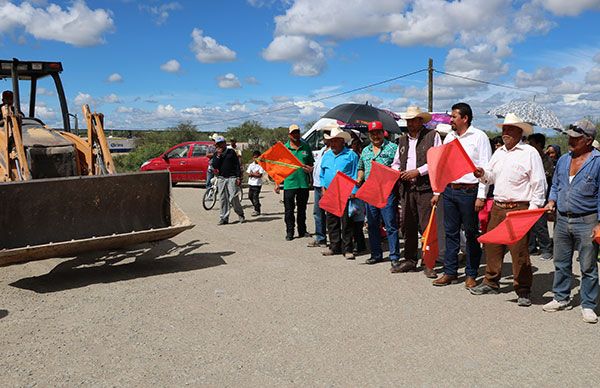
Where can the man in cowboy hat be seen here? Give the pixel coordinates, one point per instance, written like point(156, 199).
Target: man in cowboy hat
point(338, 158)
point(575, 194)
point(416, 193)
point(517, 173)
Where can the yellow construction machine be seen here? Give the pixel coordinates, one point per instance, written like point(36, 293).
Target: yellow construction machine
point(59, 193)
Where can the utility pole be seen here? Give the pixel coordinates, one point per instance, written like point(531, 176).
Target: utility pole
point(430, 87)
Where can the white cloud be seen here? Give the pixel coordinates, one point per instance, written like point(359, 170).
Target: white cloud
point(112, 99)
point(115, 77)
point(251, 81)
point(229, 81)
point(570, 7)
point(84, 98)
point(166, 111)
point(77, 24)
point(366, 97)
point(161, 12)
point(44, 92)
point(124, 109)
point(593, 76)
point(544, 76)
point(207, 49)
point(171, 66)
point(307, 56)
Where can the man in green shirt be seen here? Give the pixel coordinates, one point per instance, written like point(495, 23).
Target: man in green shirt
point(296, 186)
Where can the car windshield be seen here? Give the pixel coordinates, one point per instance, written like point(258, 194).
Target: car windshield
point(179, 152)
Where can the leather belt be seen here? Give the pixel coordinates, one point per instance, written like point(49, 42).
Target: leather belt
point(575, 215)
point(509, 205)
point(462, 186)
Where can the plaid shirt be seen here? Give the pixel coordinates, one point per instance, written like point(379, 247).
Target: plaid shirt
point(385, 156)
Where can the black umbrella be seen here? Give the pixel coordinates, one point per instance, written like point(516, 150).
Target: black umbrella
point(363, 114)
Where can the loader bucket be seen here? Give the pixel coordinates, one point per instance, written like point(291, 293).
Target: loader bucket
point(62, 217)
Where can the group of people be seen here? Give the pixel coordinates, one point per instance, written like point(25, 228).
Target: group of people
point(517, 174)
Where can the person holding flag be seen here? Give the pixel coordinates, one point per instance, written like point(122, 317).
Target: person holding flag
point(338, 158)
point(381, 151)
point(463, 198)
point(411, 161)
point(519, 180)
point(296, 186)
point(575, 194)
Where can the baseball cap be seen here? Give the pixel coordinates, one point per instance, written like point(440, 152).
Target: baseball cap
point(219, 139)
point(375, 125)
point(293, 128)
point(581, 128)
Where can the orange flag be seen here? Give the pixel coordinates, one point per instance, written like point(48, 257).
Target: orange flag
point(597, 237)
point(447, 163)
point(514, 227)
point(336, 196)
point(430, 242)
point(279, 162)
point(377, 188)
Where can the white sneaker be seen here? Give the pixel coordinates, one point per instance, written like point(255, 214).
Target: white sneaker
point(589, 315)
point(556, 305)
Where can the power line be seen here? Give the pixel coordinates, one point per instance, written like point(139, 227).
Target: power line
point(269, 111)
point(488, 82)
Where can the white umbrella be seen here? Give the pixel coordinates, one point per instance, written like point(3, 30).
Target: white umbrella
point(529, 111)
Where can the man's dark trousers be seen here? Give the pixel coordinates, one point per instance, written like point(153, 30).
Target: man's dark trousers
point(340, 232)
point(295, 199)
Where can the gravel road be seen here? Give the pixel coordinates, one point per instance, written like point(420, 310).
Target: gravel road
point(237, 305)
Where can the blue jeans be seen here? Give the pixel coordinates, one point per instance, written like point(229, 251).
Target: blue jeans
point(319, 215)
point(574, 234)
point(459, 209)
point(389, 214)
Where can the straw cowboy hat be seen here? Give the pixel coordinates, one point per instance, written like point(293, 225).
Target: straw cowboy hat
point(414, 112)
point(337, 133)
point(515, 121)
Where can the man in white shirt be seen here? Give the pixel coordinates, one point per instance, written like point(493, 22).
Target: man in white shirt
point(318, 213)
point(517, 173)
point(463, 199)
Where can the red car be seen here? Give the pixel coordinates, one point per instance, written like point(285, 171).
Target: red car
point(187, 162)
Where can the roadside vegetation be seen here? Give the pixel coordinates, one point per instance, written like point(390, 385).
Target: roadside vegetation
point(150, 144)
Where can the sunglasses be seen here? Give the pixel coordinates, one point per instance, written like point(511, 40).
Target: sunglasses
point(575, 128)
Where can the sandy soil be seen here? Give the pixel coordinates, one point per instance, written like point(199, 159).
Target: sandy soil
point(237, 305)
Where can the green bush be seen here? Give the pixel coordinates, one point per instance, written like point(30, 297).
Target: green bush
point(151, 144)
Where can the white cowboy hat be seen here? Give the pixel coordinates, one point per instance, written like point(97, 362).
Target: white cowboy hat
point(337, 133)
point(443, 128)
point(515, 121)
point(414, 112)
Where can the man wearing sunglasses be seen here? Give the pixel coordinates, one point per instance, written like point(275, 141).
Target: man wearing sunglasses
point(574, 194)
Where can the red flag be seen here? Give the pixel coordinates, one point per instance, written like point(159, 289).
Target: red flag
point(279, 162)
point(514, 227)
point(376, 190)
point(597, 237)
point(447, 163)
point(336, 196)
point(430, 242)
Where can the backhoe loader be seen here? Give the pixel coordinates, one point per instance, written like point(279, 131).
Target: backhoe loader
point(59, 193)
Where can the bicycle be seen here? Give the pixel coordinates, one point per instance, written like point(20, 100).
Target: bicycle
point(210, 195)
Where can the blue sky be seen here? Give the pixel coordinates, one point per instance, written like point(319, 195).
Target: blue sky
point(152, 64)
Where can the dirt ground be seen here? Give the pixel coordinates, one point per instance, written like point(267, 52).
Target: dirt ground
point(237, 305)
